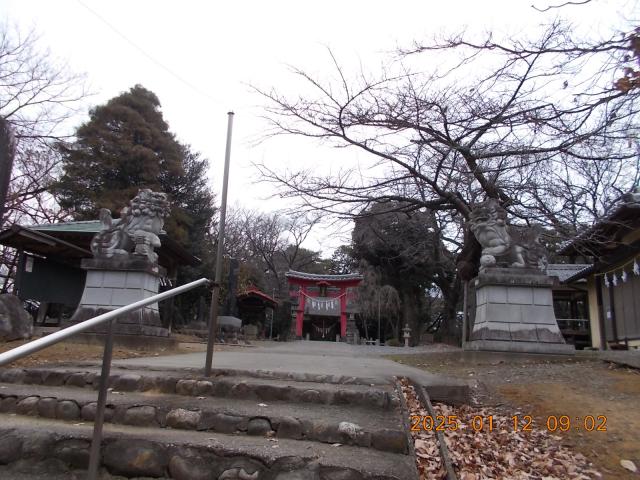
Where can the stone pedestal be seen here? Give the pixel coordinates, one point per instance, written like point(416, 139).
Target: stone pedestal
point(114, 283)
point(514, 313)
point(353, 336)
point(406, 334)
point(250, 332)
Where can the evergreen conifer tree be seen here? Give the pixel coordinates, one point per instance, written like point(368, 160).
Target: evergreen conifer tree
point(126, 145)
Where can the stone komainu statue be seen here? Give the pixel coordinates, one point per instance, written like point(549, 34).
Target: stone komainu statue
point(136, 234)
point(502, 244)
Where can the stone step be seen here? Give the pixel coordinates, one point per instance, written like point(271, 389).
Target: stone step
point(266, 386)
point(346, 424)
point(335, 379)
point(133, 452)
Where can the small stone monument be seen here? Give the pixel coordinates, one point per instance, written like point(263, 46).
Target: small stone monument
point(406, 334)
point(125, 266)
point(15, 321)
point(250, 332)
point(514, 304)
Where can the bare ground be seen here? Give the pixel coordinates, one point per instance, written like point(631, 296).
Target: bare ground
point(540, 387)
point(75, 352)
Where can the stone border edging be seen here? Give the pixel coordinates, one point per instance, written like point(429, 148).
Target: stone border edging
point(406, 424)
point(230, 372)
point(444, 451)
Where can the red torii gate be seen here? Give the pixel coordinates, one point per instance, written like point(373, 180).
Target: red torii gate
point(306, 280)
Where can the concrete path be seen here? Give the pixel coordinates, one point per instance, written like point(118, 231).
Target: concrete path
point(322, 358)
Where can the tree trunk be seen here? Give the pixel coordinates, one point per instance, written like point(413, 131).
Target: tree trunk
point(7, 152)
point(449, 332)
point(10, 272)
point(411, 302)
point(394, 329)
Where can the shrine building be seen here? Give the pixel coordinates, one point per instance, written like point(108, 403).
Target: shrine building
point(324, 306)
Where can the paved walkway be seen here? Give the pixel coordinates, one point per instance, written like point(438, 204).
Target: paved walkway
point(322, 358)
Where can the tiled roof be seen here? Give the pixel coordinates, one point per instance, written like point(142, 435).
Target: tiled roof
point(623, 217)
point(86, 226)
point(565, 271)
point(579, 274)
point(72, 238)
point(229, 321)
point(258, 293)
point(319, 277)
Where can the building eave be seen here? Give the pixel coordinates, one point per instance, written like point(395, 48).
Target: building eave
point(72, 240)
point(584, 273)
point(314, 277)
point(604, 232)
point(257, 293)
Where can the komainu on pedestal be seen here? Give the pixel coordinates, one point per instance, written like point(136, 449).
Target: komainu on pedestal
point(125, 266)
point(514, 304)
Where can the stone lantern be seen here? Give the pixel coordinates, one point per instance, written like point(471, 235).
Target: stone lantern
point(406, 333)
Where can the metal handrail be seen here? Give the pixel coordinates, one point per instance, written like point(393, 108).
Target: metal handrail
point(51, 339)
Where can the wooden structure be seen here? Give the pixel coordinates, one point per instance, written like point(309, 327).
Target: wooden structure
point(613, 281)
point(570, 303)
point(322, 304)
point(255, 307)
point(49, 270)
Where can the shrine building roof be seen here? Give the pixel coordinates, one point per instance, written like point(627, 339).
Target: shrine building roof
point(607, 233)
point(566, 271)
point(254, 292)
point(315, 277)
point(70, 241)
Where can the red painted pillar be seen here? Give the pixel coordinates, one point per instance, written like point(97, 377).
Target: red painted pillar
point(343, 313)
point(300, 312)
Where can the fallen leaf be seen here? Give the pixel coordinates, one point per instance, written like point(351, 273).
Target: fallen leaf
point(629, 465)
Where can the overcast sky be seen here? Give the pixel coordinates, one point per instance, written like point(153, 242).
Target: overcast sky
point(200, 56)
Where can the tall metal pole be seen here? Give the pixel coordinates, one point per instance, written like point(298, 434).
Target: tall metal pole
point(215, 294)
point(465, 312)
point(273, 311)
point(379, 334)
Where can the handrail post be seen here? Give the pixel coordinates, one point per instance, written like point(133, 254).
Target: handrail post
point(96, 441)
point(107, 317)
point(53, 338)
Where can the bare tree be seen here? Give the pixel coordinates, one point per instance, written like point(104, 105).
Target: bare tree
point(264, 233)
point(410, 253)
point(297, 229)
point(379, 304)
point(496, 117)
point(37, 96)
point(272, 244)
point(542, 125)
